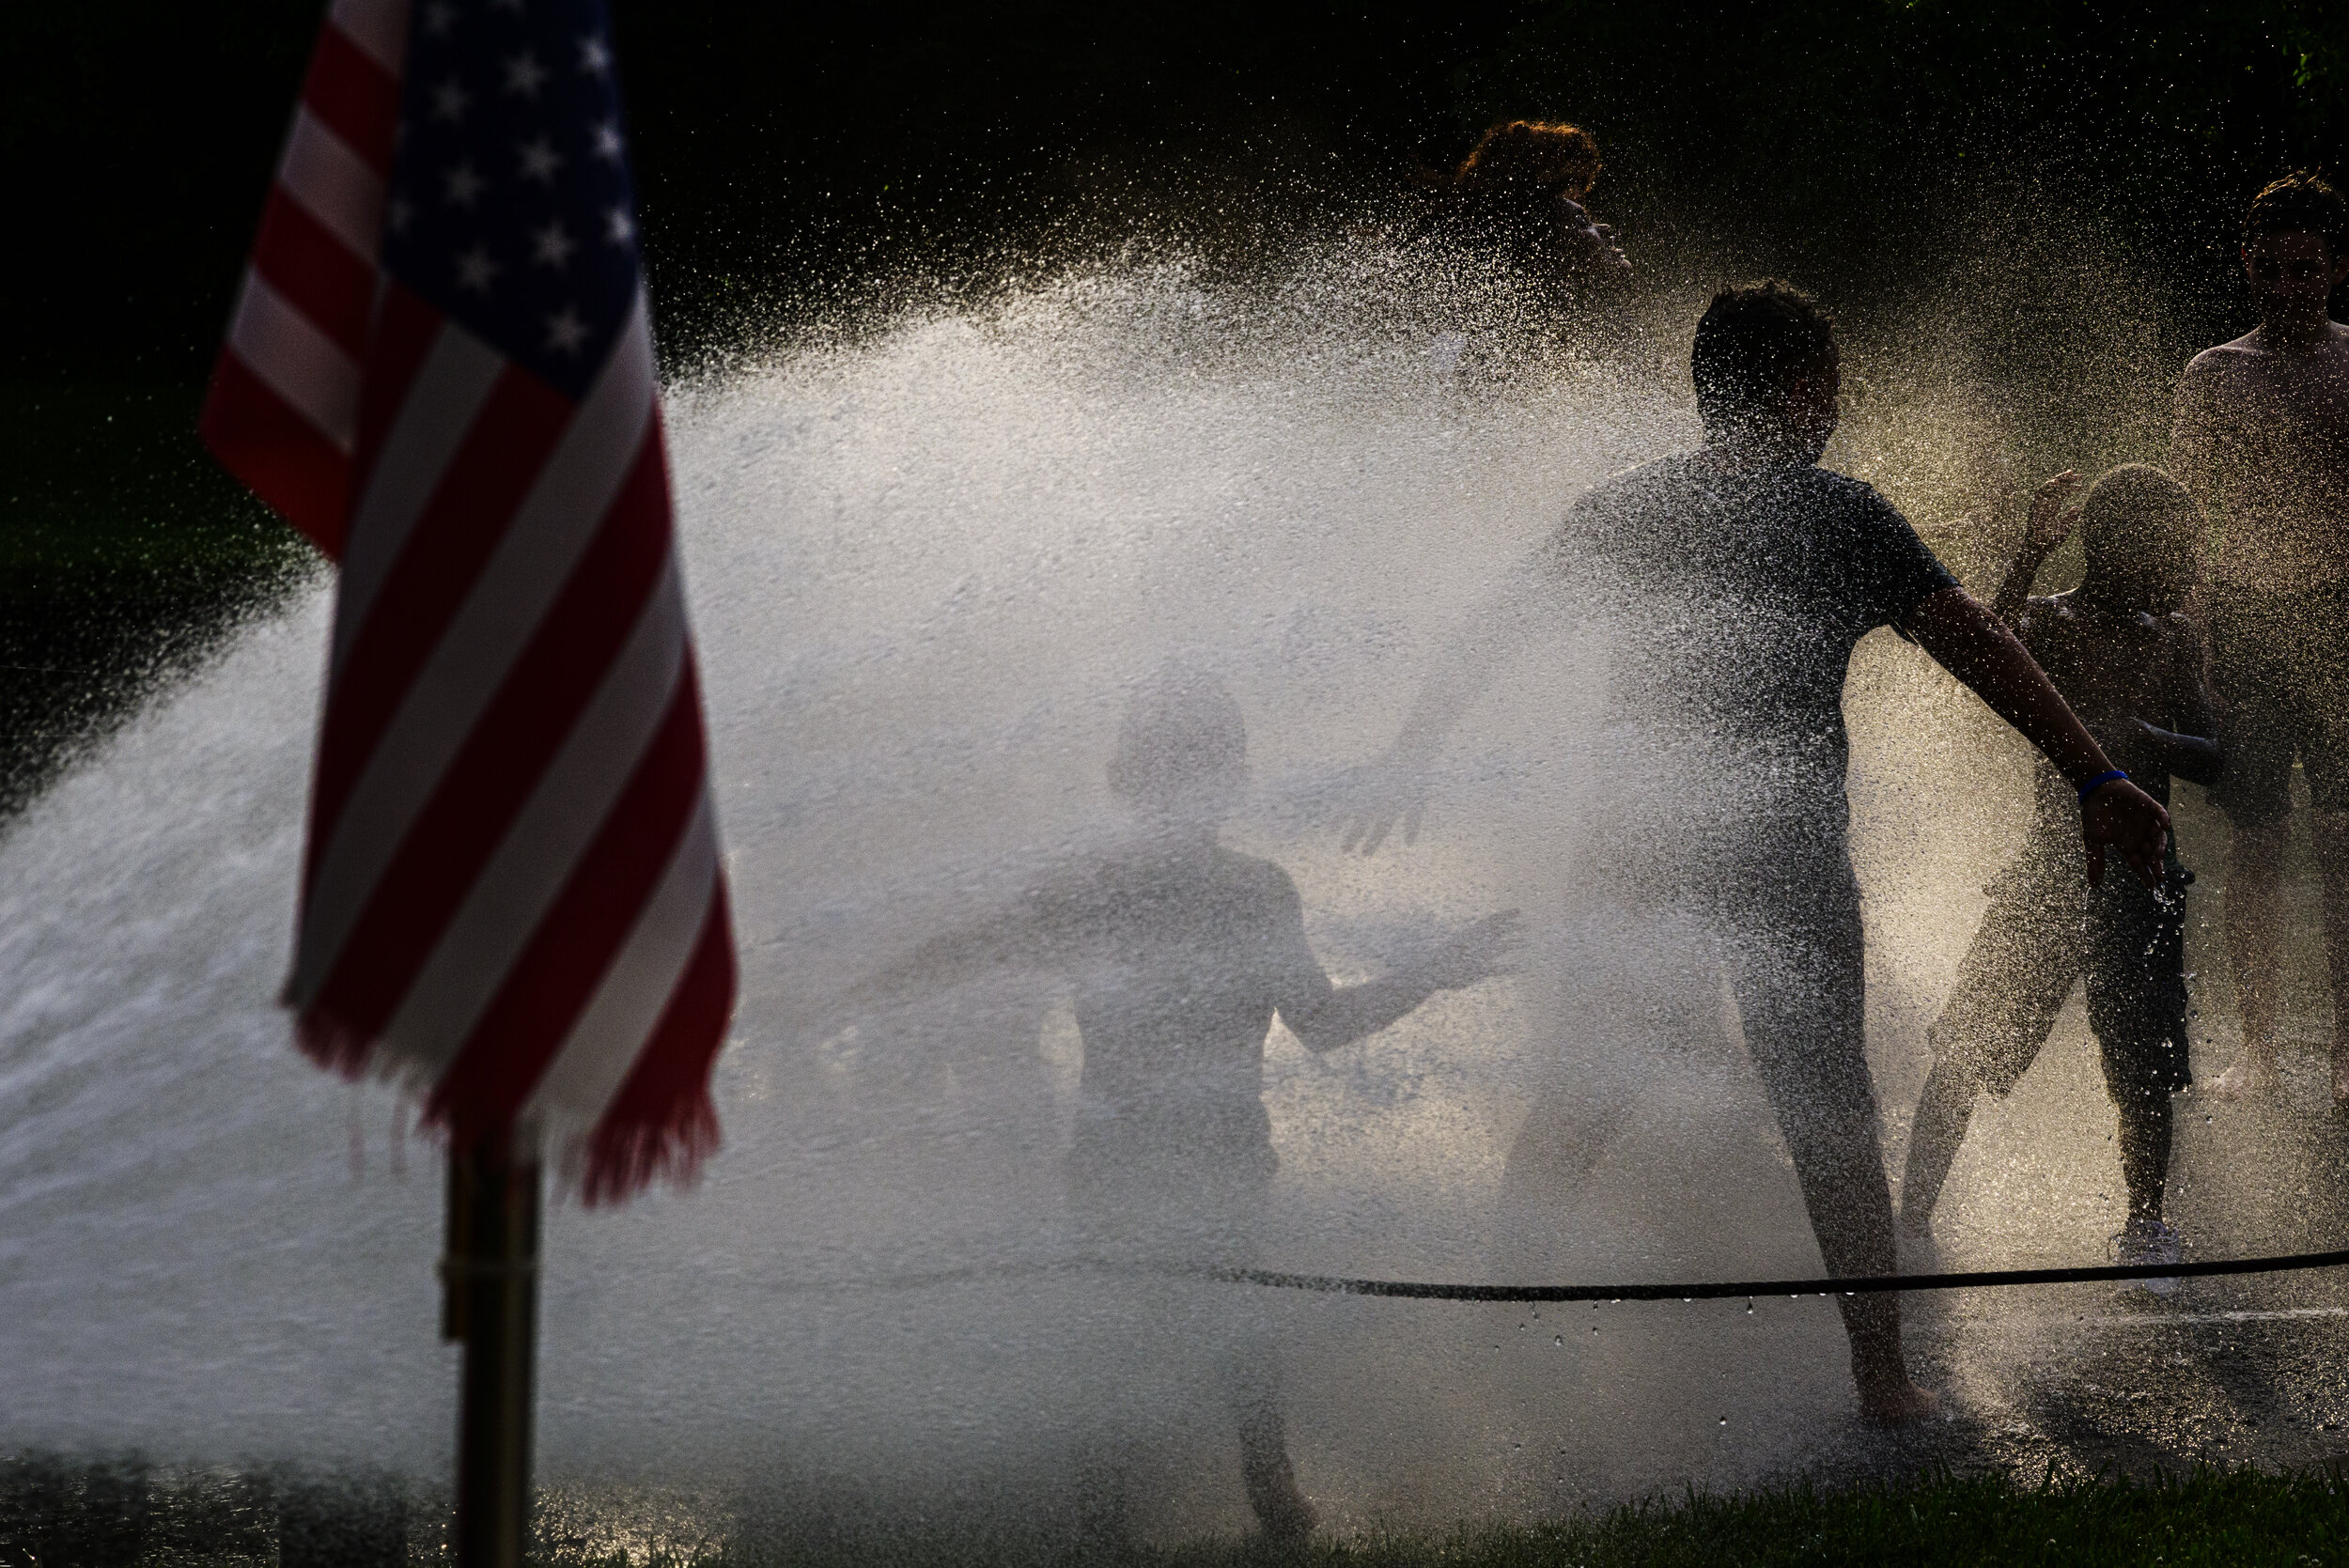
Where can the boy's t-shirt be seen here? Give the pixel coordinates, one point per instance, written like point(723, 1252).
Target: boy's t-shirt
point(1730, 605)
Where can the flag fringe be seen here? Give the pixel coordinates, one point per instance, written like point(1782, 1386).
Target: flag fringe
point(610, 1163)
point(333, 1045)
point(624, 1159)
point(350, 1053)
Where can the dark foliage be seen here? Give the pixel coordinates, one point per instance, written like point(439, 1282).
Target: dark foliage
point(785, 149)
point(1846, 127)
point(125, 555)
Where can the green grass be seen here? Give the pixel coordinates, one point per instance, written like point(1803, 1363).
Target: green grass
point(124, 552)
point(2238, 1519)
point(123, 1513)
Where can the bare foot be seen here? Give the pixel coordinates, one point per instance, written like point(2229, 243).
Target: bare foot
point(2254, 1072)
point(1895, 1402)
point(1281, 1511)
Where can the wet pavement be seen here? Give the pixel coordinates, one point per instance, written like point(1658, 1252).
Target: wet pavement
point(2086, 1379)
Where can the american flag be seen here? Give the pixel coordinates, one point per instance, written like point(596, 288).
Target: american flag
point(441, 369)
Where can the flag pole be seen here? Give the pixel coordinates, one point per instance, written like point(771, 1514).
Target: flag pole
point(490, 1300)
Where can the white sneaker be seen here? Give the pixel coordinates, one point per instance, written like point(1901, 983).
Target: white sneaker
point(2147, 1242)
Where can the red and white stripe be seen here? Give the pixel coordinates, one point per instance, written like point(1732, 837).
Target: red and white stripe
point(513, 891)
point(284, 407)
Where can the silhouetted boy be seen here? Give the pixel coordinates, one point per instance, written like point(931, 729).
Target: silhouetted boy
point(1180, 952)
point(2130, 665)
point(1732, 584)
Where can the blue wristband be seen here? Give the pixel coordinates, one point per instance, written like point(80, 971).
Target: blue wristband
point(2099, 782)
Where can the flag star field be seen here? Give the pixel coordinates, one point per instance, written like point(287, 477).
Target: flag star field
point(511, 207)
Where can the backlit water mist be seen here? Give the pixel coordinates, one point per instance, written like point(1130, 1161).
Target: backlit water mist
point(927, 567)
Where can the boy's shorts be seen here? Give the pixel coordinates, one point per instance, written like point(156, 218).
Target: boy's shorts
point(2043, 928)
point(2280, 663)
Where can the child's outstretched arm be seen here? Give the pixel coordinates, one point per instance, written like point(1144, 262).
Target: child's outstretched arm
point(2192, 757)
point(2050, 523)
point(1980, 651)
point(1328, 1016)
point(1467, 665)
point(1020, 938)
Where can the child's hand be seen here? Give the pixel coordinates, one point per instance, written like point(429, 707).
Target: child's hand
point(2119, 817)
point(2051, 521)
point(1394, 792)
point(1475, 952)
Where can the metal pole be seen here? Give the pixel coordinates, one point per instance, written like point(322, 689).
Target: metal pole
point(490, 1275)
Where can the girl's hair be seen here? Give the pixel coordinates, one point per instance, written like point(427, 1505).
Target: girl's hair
point(1532, 155)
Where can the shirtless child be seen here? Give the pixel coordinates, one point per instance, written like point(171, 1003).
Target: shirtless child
point(1179, 952)
point(2263, 442)
point(2130, 665)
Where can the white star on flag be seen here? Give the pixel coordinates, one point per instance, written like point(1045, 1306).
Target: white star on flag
point(462, 184)
point(540, 160)
point(524, 75)
point(552, 247)
point(475, 269)
point(567, 333)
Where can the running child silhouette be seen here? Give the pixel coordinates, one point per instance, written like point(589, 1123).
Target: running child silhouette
point(2130, 665)
point(1731, 584)
point(1180, 952)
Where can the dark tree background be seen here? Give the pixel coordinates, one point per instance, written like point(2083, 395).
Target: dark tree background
point(794, 159)
point(799, 147)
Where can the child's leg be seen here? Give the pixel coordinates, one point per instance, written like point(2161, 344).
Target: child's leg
point(2255, 923)
point(1253, 1383)
point(1642, 999)
point(1939, 1126)
point(2011, 984)
point(2137, 1004)
point(1795, 957)
point(2253, 670)
point(2145, 1151)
